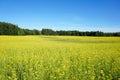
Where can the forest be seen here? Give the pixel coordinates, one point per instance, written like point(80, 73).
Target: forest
point(12, 29)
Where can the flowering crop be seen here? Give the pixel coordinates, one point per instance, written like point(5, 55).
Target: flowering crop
point(59, 58)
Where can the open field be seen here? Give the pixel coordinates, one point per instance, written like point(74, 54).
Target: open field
point(59, 58)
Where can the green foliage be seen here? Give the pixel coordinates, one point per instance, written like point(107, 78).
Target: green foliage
point(11, 29)
point(8, 29)
point(48, 32)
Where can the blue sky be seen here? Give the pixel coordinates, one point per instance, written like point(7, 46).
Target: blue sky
point(83, 15)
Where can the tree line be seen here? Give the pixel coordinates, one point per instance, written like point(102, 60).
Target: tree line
point(77, 33)
point(12, 29)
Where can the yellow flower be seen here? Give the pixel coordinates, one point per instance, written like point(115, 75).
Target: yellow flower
point(93, 77)
point(15, 78)
point(64, 66)
point(101, 71)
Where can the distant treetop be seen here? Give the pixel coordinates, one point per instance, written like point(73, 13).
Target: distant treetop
point(12, 29)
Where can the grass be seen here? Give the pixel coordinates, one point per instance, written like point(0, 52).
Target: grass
point(59, 58)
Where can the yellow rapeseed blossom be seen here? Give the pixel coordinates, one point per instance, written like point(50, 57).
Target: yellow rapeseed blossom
point(59, 58)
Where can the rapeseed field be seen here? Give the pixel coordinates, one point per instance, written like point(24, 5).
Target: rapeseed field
point(59, 58)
